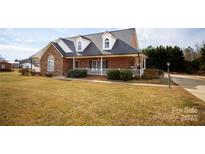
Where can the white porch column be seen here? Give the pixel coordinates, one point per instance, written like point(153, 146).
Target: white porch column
point(73, 63)
point(101, 65)
point(144, 63)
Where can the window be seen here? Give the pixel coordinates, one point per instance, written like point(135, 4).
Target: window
point(107, 43)
point(3, 66)
point(79, 46)
point(96, 64)
point(50, 64)
point(105, 64)
point(77, 64)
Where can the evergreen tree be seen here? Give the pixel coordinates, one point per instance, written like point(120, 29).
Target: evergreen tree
point(159, 56)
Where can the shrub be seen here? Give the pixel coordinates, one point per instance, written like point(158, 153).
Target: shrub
point(25, 71)
point(202, 68)
point(77, 73)
point(152, 74)
point(113, 74)
point(126, 75)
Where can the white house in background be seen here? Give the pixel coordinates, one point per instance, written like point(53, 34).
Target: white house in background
point(28, 65)
point(15, 65)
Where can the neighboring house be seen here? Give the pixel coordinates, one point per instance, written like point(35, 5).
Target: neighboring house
point(95, 52)
point(5, 66)
point(26, 63)
point(14, 65)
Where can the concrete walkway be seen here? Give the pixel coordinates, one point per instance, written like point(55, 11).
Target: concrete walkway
point(109, 82)
point(193, 84)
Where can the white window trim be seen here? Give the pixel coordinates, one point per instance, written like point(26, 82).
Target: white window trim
point(79, 44)
point(107, 40)
point(50, 64)
point(82, 40)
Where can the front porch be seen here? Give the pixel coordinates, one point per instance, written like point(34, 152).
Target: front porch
point(100, 65)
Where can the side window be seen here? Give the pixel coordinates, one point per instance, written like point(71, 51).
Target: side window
point(50, 64)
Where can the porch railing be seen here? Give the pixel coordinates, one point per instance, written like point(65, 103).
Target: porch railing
point(93, 71)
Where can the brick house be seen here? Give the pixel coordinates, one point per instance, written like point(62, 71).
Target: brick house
point(97, 53)
point(5, 66)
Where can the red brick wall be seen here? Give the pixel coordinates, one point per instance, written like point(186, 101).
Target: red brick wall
point(134, 41)
point(67, 64)
point(85, 63)
point(120, 62)
point(58, 61)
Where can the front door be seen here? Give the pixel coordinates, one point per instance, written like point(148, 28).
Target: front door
point(95, 65)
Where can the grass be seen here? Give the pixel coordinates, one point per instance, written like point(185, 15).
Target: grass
point(160, 81)
point(28, 100)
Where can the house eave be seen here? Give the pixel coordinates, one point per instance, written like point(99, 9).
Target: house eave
point(109, 55)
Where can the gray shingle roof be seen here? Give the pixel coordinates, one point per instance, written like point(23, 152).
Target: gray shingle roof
point(122, 45)
point(59, 48)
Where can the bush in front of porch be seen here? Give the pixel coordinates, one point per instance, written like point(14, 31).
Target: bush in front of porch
point(77, 73)
point(124, 75)
point(113, 74)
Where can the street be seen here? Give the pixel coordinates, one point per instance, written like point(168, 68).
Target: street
point(193, 84)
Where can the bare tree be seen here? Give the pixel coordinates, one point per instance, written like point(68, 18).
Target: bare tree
point(190, 54)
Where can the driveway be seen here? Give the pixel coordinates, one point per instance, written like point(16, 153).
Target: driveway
point(193, 84)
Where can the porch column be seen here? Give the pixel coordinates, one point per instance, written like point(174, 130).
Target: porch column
point(101, 65)
point(73, 63)
point(144, 63)
point(139, 64)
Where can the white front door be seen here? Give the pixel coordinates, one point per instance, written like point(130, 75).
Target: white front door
point(95, 65)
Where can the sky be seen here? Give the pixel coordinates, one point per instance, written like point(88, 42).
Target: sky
point(21, 43)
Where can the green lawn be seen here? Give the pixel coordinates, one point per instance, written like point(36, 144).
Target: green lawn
point(27, 100)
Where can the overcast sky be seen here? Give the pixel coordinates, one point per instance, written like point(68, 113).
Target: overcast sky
point(22, 43)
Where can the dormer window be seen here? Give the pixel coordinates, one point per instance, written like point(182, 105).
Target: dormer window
point(81, 43)
point(79, 46)
point(107, 43)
